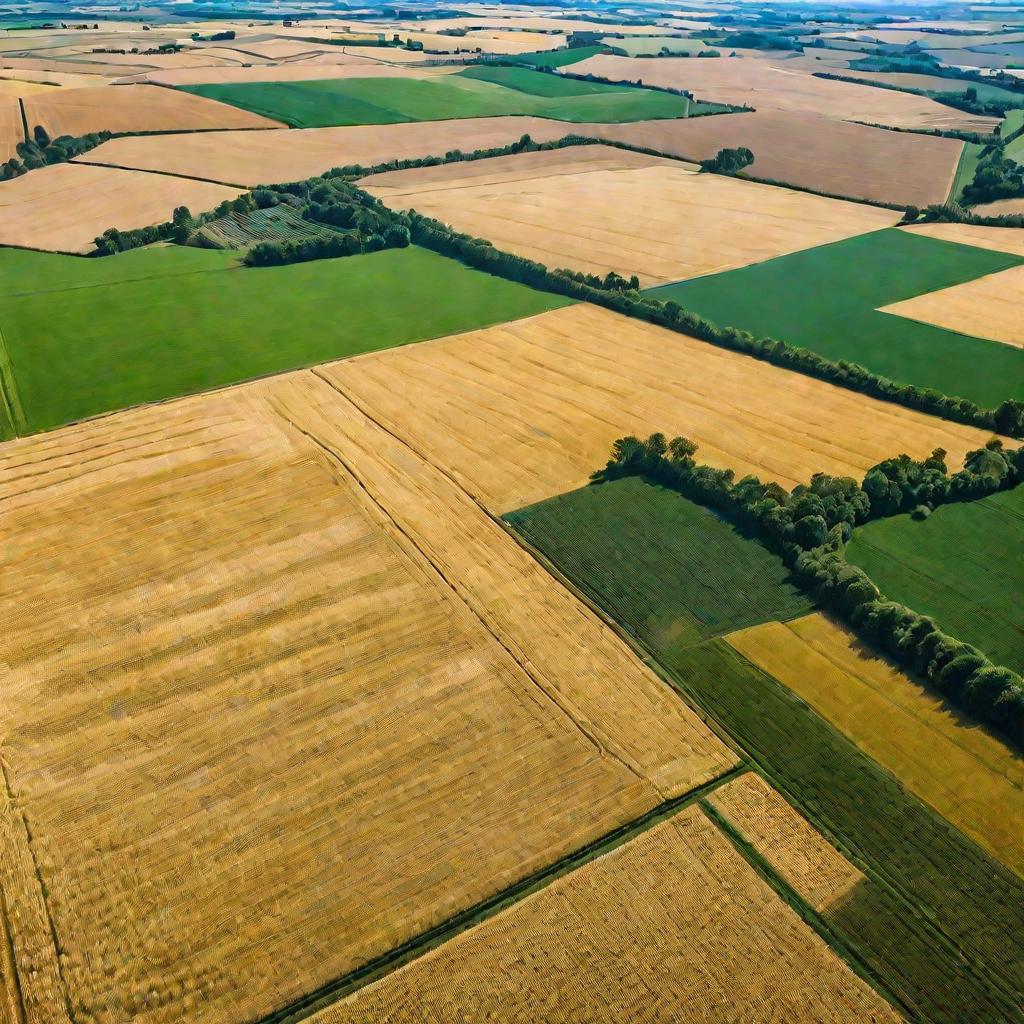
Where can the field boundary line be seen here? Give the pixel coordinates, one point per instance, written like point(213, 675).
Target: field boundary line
point(802, 908)
point(165, 174)
point(24, 118)
point(334, 991)
point(426, 560)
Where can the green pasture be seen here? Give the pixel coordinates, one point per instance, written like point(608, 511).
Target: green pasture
point(557, 58)
point(86, 336)
point(963, 566)
point(826, 299)
point(966, 168)
point(690, 574)
point(482, 91)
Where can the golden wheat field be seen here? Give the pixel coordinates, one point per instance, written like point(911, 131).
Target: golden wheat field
point(967, 775)
point(267, 716)
point(999, 208)
point(808, 150)
point(580, 207)
point(64, 207)
point(1000, 239)
point(254, 158)
point(788, 842)
point(987, 307)
point(11, 129)
point(672, 926)
point(133, 108)
point(530, 409)
point(773, 85)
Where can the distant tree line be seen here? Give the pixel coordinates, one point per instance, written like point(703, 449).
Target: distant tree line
point(1008, 418)
point(954, 213)
point(41, 150)
point(809, 526)
point(728, 161)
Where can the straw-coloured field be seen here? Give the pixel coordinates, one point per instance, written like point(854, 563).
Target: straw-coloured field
point(528, 410)
point(811, 151)
point(291, 730)
point(968, 776)
point(320, 66)
point(64, 207)
point(794, 848)
point(581, 208)
point(11, 129)
point(133, 108)
point(676, 912)
point(999, 239)
point(771, 85)
point(987, 307)
point(999, 208)
point(254, 158)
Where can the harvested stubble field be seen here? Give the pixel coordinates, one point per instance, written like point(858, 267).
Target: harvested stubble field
point(999, 208)
point(133, 108)
point(793, 848)
point(828, 300)
point(64, 207)
point(995, 239)
point(987, 307)
point(330, 65)
point(473, 92)
point(298, 634)
point(771, 85)
point(528, 410)
point(973, 779)
point(638, 935)
point(937, 919)
point(157, 325)
point(697, 576)
point(580, 207)
point(257, 158)
point(964, 566)
point(11, 129)
point(810, 151)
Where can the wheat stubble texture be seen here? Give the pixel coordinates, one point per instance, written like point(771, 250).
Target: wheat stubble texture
point(255, 736)
point(672, 926)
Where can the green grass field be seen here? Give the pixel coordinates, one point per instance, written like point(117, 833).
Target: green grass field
point(970, 157)
point(691, 575)
point(964, 566)
point(826, 299)
point(87, 336)
point(476, 92)
point(938, 921)
point(558, 58)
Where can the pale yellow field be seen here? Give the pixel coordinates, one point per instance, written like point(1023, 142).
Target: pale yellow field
point(64, 207)
point(11, 129)
point(787, 841)
point(530, 409)
point(999, 208)
point(329, 65)
point(61, 78)
point(1000, 239)
point(580, 208)
point(279, 697)
point(672, 926)
point(988, 307)
point(771, 85)
point(966, 774)
point(488, 41)
point(133, 108)
point(254, 158)
point(15, 87)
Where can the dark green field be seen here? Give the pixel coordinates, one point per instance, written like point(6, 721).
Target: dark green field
point(964, 566)
point(686, 574)
point(826, 299)
point(476, 92)
point(937, 922)
point(87, 336)
point(558, 58)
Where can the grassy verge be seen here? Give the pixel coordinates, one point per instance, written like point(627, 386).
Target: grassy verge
point(963, 566)
point(827, 300)
point(98, 335)
point(970, 156)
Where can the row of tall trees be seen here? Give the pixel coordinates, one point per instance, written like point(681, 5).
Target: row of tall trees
point(809, 526)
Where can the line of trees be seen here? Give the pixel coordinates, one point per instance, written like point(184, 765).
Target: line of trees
point(41, 151)
point(1008, 418)
point(808, 528)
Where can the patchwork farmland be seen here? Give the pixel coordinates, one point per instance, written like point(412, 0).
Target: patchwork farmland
point(511, 515)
